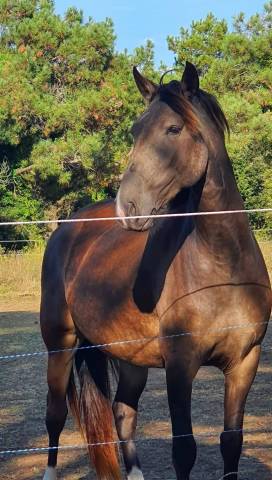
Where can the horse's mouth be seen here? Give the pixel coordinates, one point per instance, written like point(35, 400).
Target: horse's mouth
point(146, 222)
point(141, 222)
point(147, 225)
point(137, 225)
point(152, 217)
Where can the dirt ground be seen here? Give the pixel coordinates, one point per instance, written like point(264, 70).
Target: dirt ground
point(23, 393)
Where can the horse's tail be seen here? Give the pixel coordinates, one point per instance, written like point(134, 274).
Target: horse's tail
point(93, 411)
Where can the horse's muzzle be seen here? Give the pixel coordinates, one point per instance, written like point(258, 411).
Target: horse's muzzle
point(130, 217)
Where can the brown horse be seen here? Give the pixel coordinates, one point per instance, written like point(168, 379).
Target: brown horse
point(192, 291)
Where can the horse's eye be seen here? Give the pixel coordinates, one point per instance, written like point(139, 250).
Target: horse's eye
point(174, 130)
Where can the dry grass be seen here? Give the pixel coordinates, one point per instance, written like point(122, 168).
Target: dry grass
point(266, 247)
point(20, 273)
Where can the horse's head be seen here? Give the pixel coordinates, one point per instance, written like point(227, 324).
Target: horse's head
point(169, 152)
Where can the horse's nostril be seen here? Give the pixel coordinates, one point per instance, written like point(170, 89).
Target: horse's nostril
point(131, 209)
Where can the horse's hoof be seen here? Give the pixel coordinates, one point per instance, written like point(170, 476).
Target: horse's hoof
point(50, 474)
point(135, 474)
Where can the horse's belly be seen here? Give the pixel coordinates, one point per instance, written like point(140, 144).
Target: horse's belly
point(123, 332)
point(143, 354)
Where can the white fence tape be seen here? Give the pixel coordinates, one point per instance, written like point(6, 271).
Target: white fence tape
point(134, 217)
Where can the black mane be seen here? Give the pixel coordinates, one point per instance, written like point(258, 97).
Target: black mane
point(172, 94)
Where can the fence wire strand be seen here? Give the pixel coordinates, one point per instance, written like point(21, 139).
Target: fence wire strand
point(210, 434)
point(136, 340)
point(134, 217)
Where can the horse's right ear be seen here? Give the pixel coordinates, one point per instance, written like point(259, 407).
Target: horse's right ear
point(190, 80)
point(147, 88)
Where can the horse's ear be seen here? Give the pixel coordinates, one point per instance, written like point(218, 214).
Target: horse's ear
point(147, 88)
point(190, 80)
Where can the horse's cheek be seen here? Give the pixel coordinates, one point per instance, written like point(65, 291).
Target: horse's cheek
point(193, 166)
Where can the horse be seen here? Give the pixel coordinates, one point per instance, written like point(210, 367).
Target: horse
point(169, 292)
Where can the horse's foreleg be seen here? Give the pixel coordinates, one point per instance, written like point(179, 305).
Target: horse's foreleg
point(237, 384)
point(132, 381)
point(180, 372)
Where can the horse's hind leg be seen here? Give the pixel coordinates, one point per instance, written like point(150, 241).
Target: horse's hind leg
point(58, 375)
point(237, 384)
point(59, 368)
point(132, 381)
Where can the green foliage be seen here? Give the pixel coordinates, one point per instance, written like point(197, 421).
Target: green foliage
point(202, 44)
point(68, 99)
point(236, 67)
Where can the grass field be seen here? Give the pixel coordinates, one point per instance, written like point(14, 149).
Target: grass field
point(20, 272)
point(267, 253)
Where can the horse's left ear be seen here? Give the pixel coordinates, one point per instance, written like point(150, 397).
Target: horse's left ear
point(190, 80)
point(147, 88)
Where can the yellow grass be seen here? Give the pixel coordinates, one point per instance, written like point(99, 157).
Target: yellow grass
point(20, 273)
point(266, 247)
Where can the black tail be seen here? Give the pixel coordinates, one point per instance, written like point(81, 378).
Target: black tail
point(93, 411)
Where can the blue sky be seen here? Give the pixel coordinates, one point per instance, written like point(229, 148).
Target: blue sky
point(135, 21)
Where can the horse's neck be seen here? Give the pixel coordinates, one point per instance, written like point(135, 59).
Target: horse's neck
point(220, 193)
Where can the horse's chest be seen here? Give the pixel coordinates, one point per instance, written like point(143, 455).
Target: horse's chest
point(200, 288)
point(210, 313)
